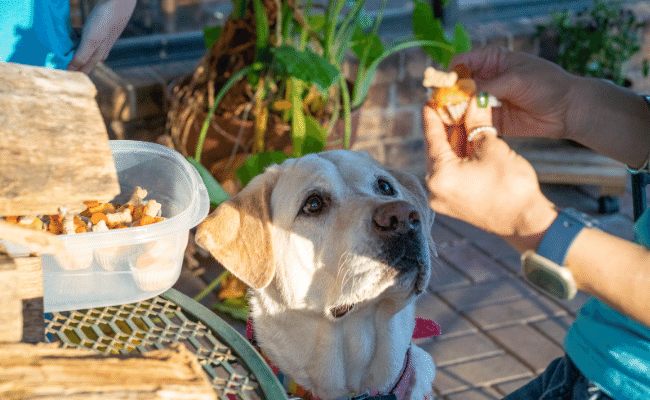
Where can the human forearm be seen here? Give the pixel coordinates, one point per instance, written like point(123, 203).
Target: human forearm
point(614, 270)
point(609, 119)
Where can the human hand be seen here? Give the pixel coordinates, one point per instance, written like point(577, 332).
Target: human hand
point(104, 26)
point(494, 188)
point(536, 94)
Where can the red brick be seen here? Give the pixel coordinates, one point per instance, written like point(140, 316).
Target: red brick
point(402, 125)
point(411, 92)
point(378, 96)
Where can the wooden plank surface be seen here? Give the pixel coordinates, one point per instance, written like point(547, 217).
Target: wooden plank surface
point(53, 142)
point(48, 372)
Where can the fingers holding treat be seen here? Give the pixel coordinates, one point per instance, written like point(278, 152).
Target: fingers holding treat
point(453, 93)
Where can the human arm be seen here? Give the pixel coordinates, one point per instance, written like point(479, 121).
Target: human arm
point(541, 99)
point(497, 190)
point(104, 26)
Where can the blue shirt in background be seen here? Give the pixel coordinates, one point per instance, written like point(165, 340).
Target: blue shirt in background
point(37, 32)
point(611, 349)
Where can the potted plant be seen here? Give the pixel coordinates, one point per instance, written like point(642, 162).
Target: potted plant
point(271, 84)
point(595, 42)
point(271, 87)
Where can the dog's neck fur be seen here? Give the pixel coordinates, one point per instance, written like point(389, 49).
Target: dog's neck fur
point(362, 351)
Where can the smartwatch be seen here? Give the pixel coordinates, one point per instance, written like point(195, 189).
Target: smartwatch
point(545, 267)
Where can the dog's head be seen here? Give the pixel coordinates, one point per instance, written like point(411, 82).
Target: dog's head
point(326, 233)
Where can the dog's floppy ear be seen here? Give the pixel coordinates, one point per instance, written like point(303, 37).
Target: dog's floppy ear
point(415, 194)
point(238, 232)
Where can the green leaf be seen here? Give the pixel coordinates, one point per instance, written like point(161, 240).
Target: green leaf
point(367, 43)
point(315, 136)
point(316, 23)
point(215, 192)
point(210, 35)
point(427, 27)
point(462, 41)
point(256, 164)
point(306, 66)
point(237, 309)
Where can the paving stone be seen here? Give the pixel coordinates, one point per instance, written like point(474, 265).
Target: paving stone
point(508, 387)
point(518, 311)
point(475, 394)
point(487, 293)
point(462, 228)
point(470, 261)
point(555, 328)
point(495, 246)
point(443, 236)
point(460, 349)
point(512, 263)
point(530, 346)
point(483, 372)
point(444, 276)
point(574, 305)
point(451, 324)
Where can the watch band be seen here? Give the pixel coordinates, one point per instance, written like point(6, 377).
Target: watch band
point(559, 237)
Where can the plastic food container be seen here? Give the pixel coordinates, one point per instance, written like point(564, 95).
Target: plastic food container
point(131, 264)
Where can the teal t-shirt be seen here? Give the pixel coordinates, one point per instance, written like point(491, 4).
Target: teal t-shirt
point(37, 32)
point(611, 349)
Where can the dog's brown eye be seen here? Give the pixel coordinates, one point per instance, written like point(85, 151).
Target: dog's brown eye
point(313, 205)
point(385, 188)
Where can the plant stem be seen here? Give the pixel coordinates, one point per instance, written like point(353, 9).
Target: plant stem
point(346, 112)
point(211, 286)
point(217, 100)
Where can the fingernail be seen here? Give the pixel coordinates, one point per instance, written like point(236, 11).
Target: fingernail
point(482, 99)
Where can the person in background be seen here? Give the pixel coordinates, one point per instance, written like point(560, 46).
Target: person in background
point(39, 33)
point(608, 345)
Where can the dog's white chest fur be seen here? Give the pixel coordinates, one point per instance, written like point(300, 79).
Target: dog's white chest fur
point(336, 248)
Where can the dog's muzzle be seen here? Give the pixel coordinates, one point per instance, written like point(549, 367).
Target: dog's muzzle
point(398, 226)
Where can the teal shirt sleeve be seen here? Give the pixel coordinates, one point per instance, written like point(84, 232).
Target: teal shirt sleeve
point(609, 348)
point(37, 32)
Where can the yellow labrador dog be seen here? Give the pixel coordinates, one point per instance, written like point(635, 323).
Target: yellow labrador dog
point(335, 248)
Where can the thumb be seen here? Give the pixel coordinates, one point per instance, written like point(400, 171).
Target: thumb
point(482, 135)
point(435, 135)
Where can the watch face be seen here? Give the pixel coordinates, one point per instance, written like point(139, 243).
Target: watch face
point(548, 276)
point(548, 282)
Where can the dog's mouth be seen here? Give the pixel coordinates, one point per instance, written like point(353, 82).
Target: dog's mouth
point(338, 312)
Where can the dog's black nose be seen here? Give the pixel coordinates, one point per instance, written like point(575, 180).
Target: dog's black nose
point(397, 217)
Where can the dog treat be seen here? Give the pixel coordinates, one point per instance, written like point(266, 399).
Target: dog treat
point(97, 217)
point(135, 212)
point(450, 98)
